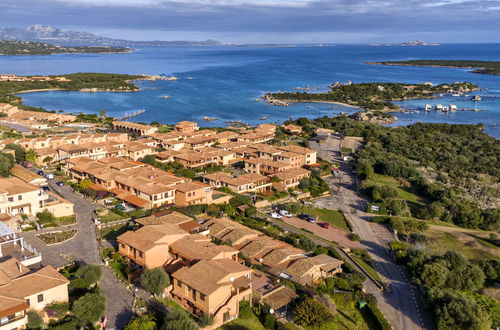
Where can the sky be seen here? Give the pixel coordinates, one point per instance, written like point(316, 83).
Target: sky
point(267, 21)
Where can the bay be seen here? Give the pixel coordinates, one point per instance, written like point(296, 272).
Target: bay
point(224, 82)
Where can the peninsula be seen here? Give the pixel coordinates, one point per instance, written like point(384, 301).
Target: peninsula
point(481, 67)
point(85, 82)
point(369, 96)
point(39, 48)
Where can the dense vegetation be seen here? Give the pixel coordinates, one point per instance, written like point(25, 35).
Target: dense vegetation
point(483, 67)
point(101, 81)
point(374, 96)
point(39, 48)
point(455, 167)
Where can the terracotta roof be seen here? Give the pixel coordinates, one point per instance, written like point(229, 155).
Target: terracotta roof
point(26, 175)
point(215, 274)
point(147, 237)
point(297, 149)
point(280, 297)
point(15, 186)
point(133, 199)
point(174, 218)
point(301, 267)
point(193, 249)
point(190, 186)
point(278, 256)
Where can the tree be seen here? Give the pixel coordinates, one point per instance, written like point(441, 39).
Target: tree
point(85, 183)
point(206, 320)
point(89, 308)
point(149, 159)
point(434, 274)
point(177, 320)
point(90, 273)
point(144, 322)
point(457, 311)
point(102, 114)
point(311, 313)
point(19, 151)
point(34, 320)
point(364, 168)
point(491, 268)
point(6, 163)
point(155, 280)
point(31, 156)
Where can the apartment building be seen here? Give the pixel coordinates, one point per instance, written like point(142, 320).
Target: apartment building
point(265, 166)
point(294, 129)
point(290, 179)
point(225, 283)
point(186, 126)
point(149, 246)
point(133, 128)
point(22, 290)
point(251, 182)
point(20, 197)
point(193, 192)
point(308, 156)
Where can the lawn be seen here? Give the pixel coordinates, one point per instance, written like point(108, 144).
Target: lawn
point(170, 304)
point(250, 323)
point(438, 242)
point(409, 194)
point(111, 216)
point(348, 316)
point(111, 232)
point(65, 221)
point(335, 218)
point(367, 267)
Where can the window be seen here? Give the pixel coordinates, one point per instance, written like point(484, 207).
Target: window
point(20, 197)
point(179, 284)
point(28, 301)
point(140, 254)
point(40, 297)
point(202, 296)
point(11, 199)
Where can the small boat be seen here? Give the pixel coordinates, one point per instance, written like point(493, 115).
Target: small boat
point(476, 98)
point(457, 94)
point(164, 96)
point(309, 107)
point(264, 118)
point(189, 78)
point(209, 118)
point(428, 107)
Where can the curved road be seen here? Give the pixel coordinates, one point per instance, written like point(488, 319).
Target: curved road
point(400, 302)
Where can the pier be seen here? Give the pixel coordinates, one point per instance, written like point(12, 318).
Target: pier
point(127, 116)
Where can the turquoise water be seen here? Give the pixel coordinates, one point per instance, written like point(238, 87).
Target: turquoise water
point(227, 80)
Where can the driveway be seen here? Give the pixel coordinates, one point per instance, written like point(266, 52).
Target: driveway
point(332, 233)
point(84, 247)
point(401, 304)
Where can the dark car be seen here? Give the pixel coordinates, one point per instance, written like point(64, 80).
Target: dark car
point(60, 183)
point(40, 173)
point(45, 188)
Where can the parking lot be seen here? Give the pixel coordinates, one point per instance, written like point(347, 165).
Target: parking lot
point(332, 233)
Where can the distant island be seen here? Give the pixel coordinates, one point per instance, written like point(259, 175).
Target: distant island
point(407, 43)
point(54, 35)
point(39, 48)
point(481, 67)
point(369, 96)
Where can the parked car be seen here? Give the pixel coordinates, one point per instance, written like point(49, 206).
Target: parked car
point(325, 225)
point(45, 188)
point(27, 164)
point(303, 216)
point(275, 215)
point(285, 213)
point(49, 176)
point(60, 183)
point(40, 173)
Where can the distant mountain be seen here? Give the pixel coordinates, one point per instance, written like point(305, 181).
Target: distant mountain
point(54, 35)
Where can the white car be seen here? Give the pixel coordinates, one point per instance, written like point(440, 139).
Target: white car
point(275, 215)
point(285, 213)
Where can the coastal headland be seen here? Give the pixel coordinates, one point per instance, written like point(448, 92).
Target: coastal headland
point(11, 86)
point(480, 67)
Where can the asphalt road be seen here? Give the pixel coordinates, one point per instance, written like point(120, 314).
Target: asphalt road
point(401, 302)
point(84, 247)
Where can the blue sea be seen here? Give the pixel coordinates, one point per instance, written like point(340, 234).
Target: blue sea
point(224, 82)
